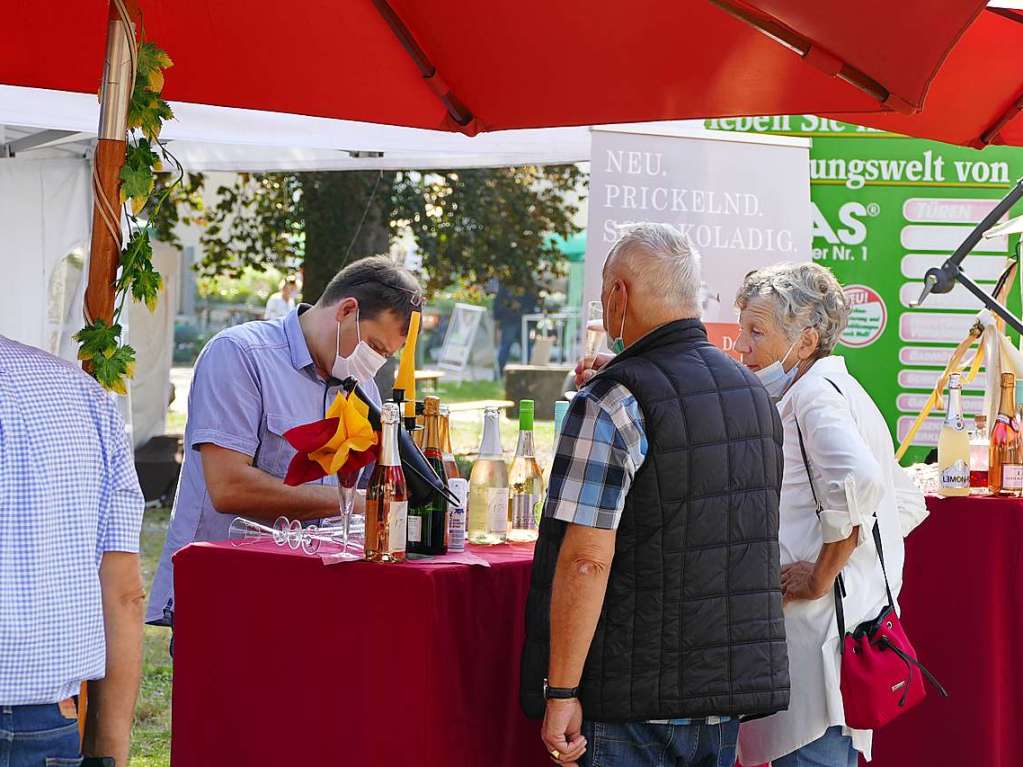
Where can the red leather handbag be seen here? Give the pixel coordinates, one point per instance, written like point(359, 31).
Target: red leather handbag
point(881, 677)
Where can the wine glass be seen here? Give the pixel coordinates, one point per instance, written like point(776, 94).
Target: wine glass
point(284, 532)
point(595, 333)
point(346, 490)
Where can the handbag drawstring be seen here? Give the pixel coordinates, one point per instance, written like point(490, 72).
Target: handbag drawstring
point(910, 662)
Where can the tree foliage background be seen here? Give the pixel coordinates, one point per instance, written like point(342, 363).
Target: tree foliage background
point(470, 225)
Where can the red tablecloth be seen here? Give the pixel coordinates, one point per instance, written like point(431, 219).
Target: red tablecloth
point(280, 660)
point(962, 606)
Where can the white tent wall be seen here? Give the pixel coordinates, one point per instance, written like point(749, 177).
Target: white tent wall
point(45, 224)
point(45, 216)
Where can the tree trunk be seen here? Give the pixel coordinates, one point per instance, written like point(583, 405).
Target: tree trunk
point(334, 204)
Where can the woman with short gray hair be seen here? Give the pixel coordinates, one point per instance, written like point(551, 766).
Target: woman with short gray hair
point(791, 317)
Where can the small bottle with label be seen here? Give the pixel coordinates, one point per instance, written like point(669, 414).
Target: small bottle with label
point(954, 445)
point(456, 513)
point(979, 447)
point(488, 486)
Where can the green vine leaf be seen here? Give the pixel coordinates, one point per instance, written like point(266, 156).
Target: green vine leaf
point(136, 183)
point(96, 339)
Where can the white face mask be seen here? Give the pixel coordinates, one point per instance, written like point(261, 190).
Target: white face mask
point(775, 378)
point(362, 364)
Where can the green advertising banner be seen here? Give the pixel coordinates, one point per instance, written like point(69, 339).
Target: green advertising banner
point(885, 209)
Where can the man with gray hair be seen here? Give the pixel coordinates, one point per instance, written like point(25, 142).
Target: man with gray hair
point(654, 617)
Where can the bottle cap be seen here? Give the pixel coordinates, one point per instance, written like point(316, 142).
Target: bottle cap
point(526, 409)
point(954, 382)
point(431, 406)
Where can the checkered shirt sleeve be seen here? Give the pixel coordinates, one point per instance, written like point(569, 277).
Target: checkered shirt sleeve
point(602, 446)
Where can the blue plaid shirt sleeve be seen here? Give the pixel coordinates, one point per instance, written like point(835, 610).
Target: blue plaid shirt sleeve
point(602, 446)
point(121, 502)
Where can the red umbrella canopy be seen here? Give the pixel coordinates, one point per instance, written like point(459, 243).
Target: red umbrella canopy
point(469, 65)
point(977, 97)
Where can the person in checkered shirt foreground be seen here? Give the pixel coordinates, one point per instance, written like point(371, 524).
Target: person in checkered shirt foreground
point(71, 595)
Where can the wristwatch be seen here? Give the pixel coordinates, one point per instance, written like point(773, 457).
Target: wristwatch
point(559, 693)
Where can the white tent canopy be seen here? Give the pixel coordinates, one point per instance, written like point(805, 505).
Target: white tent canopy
point(221, 138)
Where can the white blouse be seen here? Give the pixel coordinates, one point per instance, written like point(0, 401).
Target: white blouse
point(855, 474)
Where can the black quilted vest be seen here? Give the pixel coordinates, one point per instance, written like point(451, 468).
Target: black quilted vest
point(692, 622)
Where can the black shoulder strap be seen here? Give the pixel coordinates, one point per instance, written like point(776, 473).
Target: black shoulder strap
point(839, 581)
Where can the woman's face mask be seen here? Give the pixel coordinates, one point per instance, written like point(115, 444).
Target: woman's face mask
point(775, 378)
point(364, 361)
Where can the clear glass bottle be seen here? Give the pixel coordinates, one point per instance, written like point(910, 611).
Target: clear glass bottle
point(1005, 464)
point(526, 480)
point(488, 486)
point(979, 455)
point(428, 524)
point(386, 496)
point(954, 445)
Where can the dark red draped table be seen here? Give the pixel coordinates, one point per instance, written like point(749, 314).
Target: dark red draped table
point(281, 660)
point(962, 605)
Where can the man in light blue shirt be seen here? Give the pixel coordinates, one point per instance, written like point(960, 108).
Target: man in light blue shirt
point(254, 382)
point(70, 586)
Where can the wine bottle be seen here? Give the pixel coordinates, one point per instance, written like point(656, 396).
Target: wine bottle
point(488, 486)
point(526, 480)
point(456, 513)
point(428, 524)
point(979, 455)
point(450, 465)
point(954, 445)
point(386, 496)
point(1005, 465)
point(414, 422)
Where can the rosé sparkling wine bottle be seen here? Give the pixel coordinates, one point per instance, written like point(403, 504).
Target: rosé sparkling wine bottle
point(387, 496)
point(1005, 467)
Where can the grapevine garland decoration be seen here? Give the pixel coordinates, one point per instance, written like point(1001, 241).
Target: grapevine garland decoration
point(110, 360)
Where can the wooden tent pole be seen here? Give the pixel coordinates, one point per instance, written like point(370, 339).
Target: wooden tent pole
point(115, 95)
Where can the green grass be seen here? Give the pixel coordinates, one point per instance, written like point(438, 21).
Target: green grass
point(175, 422)
point(150, 746)
point(466, 391)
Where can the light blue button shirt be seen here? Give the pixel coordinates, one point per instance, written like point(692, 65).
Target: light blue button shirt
point(251, 384)
point(68, 495)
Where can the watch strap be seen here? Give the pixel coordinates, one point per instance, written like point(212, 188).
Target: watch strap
point(560, 693)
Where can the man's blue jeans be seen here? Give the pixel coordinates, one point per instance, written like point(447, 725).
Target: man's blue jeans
point(638, 744)
point(38, 736)
point(832, 749)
